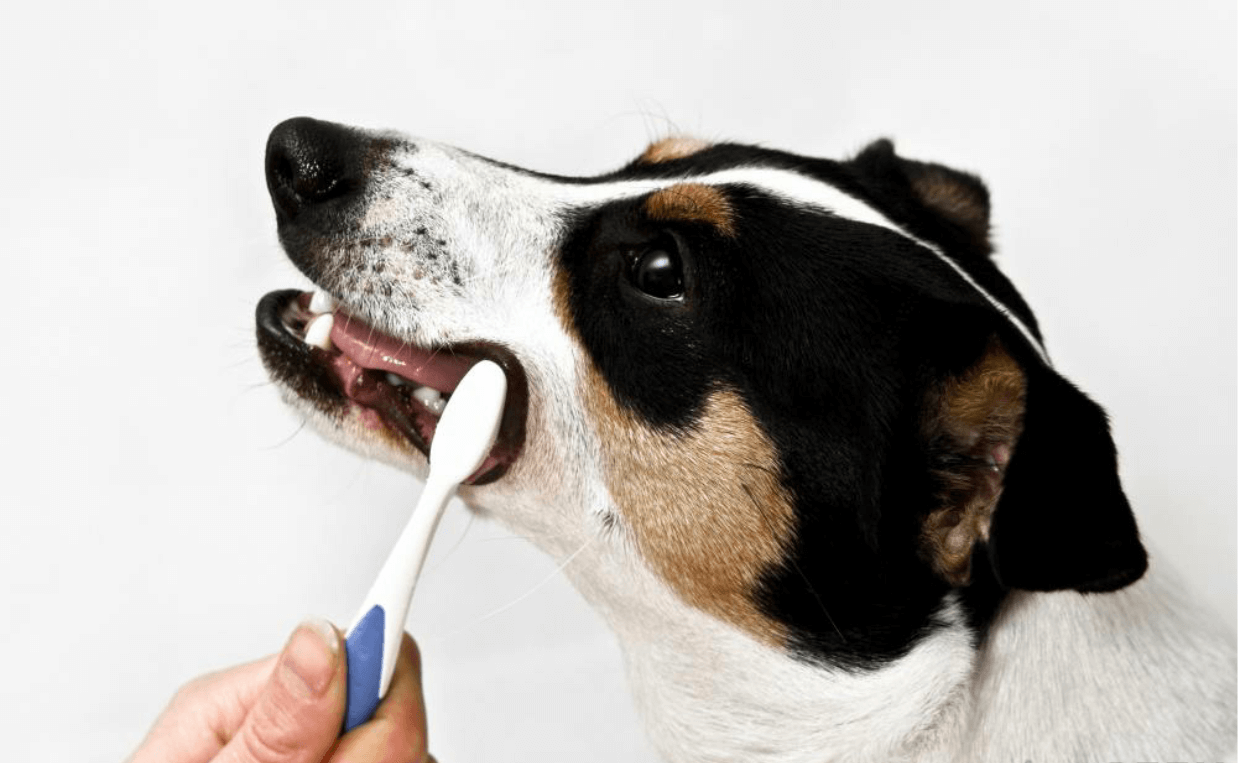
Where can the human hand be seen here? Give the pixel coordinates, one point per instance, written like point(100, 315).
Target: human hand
point(289, 708)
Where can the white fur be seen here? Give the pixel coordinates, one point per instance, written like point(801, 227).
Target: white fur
point(1139, 674)
point(1135, 675)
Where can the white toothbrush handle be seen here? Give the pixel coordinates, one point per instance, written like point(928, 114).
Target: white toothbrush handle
point(464, 436)
point(373, 639)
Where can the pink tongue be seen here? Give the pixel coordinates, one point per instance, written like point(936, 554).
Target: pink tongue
point(370, 349)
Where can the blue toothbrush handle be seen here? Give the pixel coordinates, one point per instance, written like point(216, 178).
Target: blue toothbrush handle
point(372, 643)
point(364, 648)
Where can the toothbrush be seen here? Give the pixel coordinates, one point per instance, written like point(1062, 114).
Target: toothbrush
point(462, 439)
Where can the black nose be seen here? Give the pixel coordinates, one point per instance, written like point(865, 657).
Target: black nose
point(310, 162)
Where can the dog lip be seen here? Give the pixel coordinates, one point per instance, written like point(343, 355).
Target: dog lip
point(318, 376)
point(288, 359)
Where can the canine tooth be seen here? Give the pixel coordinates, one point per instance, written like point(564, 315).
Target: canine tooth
point(322, 302)
point(430, 398)
point(396, 380)
point(318, 332)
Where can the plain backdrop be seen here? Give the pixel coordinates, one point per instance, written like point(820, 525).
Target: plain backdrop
point(164, 515)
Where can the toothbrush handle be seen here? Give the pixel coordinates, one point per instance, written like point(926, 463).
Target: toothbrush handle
point(372, 643)
point(364, 649)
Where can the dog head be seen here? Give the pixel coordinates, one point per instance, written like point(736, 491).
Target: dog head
point(795, 393)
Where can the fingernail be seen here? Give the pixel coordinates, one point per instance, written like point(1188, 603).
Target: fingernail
point(311, 658)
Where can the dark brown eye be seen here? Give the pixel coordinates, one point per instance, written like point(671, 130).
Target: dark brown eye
point(658, 272)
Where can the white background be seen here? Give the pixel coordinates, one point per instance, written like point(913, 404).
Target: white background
point(163, 514)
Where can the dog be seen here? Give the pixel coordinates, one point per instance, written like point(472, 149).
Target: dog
point(800, 438)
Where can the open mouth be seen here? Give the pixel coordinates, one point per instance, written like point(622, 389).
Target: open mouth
point(336, 361)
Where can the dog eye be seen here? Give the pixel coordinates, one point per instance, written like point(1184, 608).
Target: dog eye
point(658, 271)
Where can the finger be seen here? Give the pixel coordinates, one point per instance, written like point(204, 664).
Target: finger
point(204, 714)
point(397, 732)
point(299, 712)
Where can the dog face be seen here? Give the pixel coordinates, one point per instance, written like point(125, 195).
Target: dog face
point(795, 393)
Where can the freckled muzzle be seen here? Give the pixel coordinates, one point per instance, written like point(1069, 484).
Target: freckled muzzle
point(321, 177)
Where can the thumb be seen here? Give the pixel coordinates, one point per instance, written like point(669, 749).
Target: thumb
point(298, 716)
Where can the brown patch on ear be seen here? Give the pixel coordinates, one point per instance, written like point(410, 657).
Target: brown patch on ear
point(972, 424)
point(692, 202)
point(706, 507)
point(674, 147)
point(957, 196)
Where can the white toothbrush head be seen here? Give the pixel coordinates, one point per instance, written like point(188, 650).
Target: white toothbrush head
point(465, 432)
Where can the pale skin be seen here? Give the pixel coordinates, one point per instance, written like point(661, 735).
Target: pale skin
point(289, 708)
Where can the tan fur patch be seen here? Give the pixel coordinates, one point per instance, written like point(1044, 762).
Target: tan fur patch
point(692, 202)
point(978, 417)
point(954, 200)
point(706, 506)
point(674, 147)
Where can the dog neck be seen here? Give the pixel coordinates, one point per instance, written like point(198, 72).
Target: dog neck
point(1125, 675)
point(1143, 673)
point(708, 691)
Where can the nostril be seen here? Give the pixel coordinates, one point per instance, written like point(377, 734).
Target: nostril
point(311, 162)
point(279, 169)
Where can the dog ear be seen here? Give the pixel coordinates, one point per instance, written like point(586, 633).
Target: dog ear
point(955, 200)
point(1026, 471)
point(1062, 520)
point(971, 428)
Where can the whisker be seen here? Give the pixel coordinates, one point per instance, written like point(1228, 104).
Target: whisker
point(459, 542)
point(769, 526)
point(242, 362)
point(345, 490)
point(524, 538)
point(288, 439)
point(244, 393)
point(451, 634)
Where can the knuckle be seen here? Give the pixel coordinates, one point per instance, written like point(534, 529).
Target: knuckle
point(265, 743)
point(272, 732)
point(189, 693)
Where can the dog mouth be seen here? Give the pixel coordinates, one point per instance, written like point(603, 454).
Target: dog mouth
point(337, 362)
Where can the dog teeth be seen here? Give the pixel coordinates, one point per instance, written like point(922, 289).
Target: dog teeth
point(318, 332)
point(322, 302)
point(427, 396)
point(430, 398)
